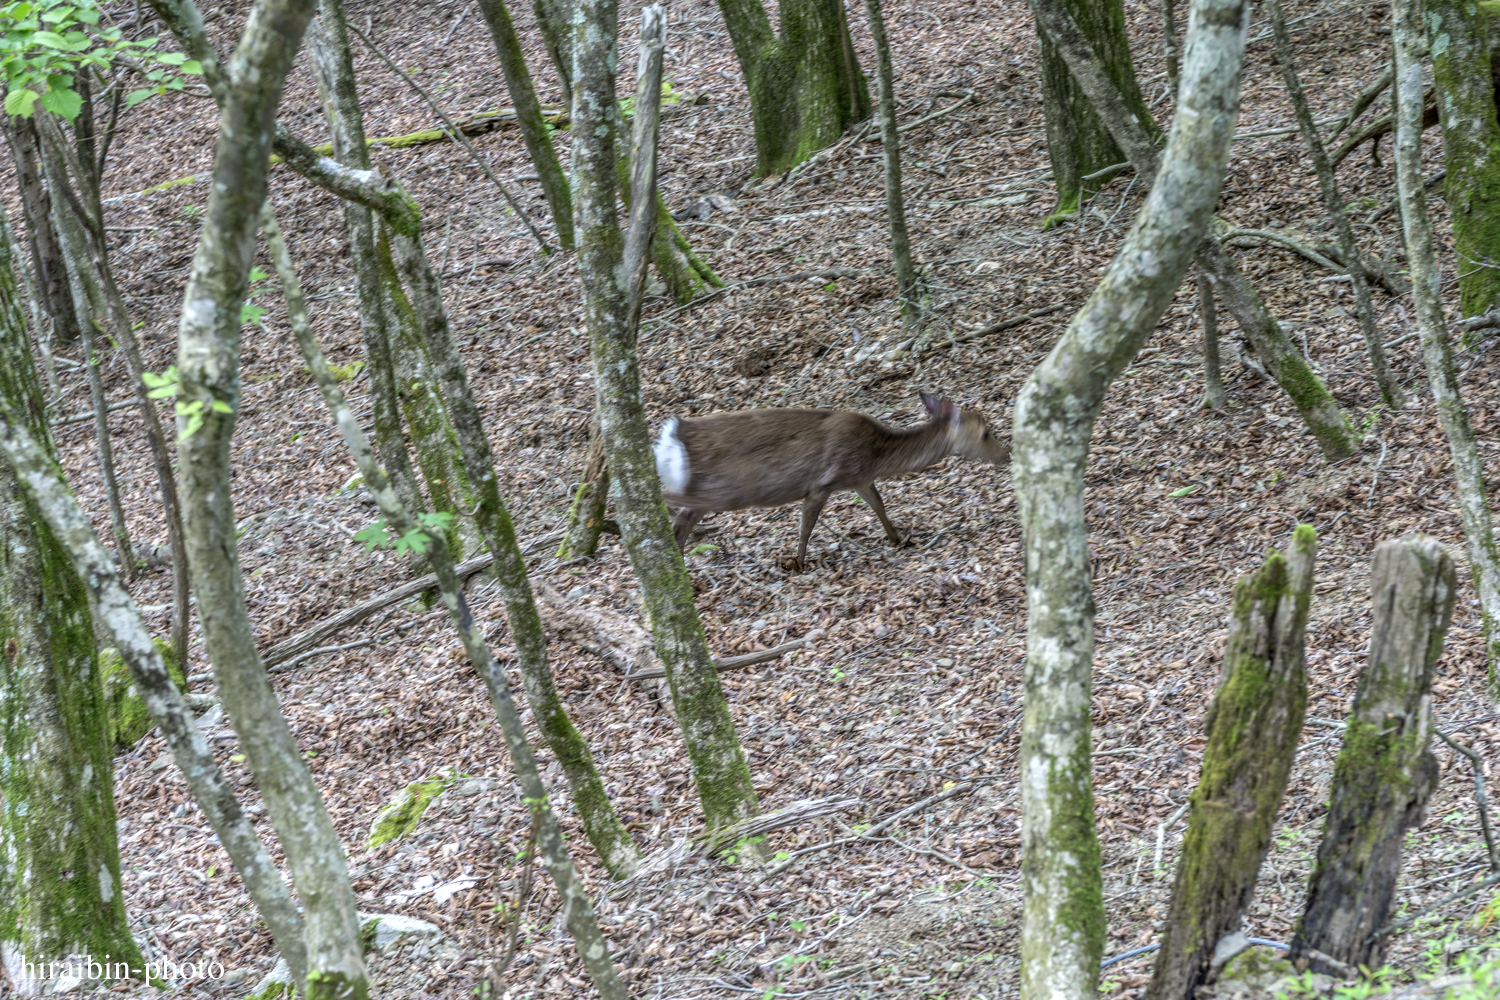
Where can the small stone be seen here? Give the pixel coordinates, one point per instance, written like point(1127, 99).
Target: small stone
point(758, 624)
point(383, 929)
point(945, 662)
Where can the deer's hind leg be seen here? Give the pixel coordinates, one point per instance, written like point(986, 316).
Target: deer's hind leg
point(870, 496)
point(683, 523)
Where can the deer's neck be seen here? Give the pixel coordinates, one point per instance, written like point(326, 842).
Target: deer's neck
point(899, 451)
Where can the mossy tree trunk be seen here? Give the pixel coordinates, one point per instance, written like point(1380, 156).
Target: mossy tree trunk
point(1063, 927)
point(1359, 276)
point(805, 86)
point(1462, 33)
point(1253, 725)
point(534, 130)
point(121, 619)
point(1078, 141)
point(578, 913)
point(1314, 403)
point(719, 768)
point(1468, 468)
point(1384, 772)
point(393, 341)
point(328, 43)
point(1291, 372)
point(586, 517)
point(46, 255)
point(60, 895)
point(907, 291)
point(208, 360)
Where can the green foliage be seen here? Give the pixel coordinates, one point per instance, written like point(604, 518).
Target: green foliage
point(250, 312)
point(399, 817)
point(419, 539)
point(703, 549)
point(45, 44)
point(168, 385)
point(128, 718)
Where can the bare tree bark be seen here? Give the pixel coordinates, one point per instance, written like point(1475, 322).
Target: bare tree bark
point(1062, 934)
point(208, 362)
point(1252, 727)
point(1385, 771)
point(89, 212)
point(118, 613)
point(586, 516)
point(580, 918)
point(36, 206)
point(534, 132)
point(719, 767)
point(907, 290)
point(1359, 276)
point(1468, 469)
point(89, 307)
point(1271, 344)
point(1214, 397)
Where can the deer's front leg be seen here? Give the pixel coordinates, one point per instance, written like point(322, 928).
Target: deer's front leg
point(812, 506)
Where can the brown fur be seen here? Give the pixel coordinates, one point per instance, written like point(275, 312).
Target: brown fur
point(766, 458)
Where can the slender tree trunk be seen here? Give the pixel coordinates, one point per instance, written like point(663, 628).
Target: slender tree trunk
point(89, 213)
point(719, 768)
point(40, 321)
point(328, 42)
point(906, 276)
point(1291, 372)
point(805, 87)
point(1462, 69)
point(1214, 397)
point(57, 810)
point(1063, 927)
point(208, 361)
point(586, 517)
point(1385, 772)
point(37, 469)
point(1359, 277)
point(1078, 141)
point(579, 915)
point(36, 205)
point(555, 19)
point(529, 117)
point(1315, 404)
point(1169, 42)
point(88, 303)
point(1468, 469)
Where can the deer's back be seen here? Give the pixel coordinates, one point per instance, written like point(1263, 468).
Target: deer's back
point(764, 458)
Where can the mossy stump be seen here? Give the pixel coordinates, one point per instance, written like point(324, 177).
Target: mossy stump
point(1385, 772)
point(1253, 726)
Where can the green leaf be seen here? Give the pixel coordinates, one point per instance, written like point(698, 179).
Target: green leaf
point(417, 540)
point(251, 313)
point(256, 274)
point(438, 520)
point(20, 102)
point(50, 39)
point(374, 537)
point(1184, 491)
point(63, 103)
point(171, 58)
point(137, 96)
point(698, 550)
point(192, 67)
point(222, 407)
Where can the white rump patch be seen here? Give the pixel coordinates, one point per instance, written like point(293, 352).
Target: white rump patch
point(671, 459)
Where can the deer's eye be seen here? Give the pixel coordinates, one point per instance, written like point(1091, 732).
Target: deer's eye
point(986, 435)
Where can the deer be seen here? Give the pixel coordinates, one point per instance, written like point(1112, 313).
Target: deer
point(771, 457)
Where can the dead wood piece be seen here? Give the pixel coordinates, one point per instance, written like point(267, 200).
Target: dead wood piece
point(803, 811)
point(1381, 126)
point(722, 663)
point(1004, 324)
point(309, 638)
point(1385, 771)
point(874, 832)
point(1484, 321)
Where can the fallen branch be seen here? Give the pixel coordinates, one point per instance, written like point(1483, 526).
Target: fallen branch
point(1321, 252)
point(722, 663)
point(711, 844)
point(827, 273)
point(1004, 324)
point(1484, 321)
point(310, 638)
point(79, 418)
point(1380, 127)
point(874, 832)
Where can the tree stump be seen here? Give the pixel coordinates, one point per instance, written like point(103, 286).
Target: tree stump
point(1253, 726)
point(1385, 772)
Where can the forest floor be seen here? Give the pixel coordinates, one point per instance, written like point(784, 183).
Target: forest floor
point(917, 681)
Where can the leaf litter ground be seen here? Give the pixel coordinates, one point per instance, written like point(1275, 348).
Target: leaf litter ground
point(916, 683)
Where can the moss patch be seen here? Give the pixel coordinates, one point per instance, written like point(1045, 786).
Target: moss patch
point(128, 718)
point(400, 815)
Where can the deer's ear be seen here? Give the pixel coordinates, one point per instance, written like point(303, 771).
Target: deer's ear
point(947, 411)
point(933, 404)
